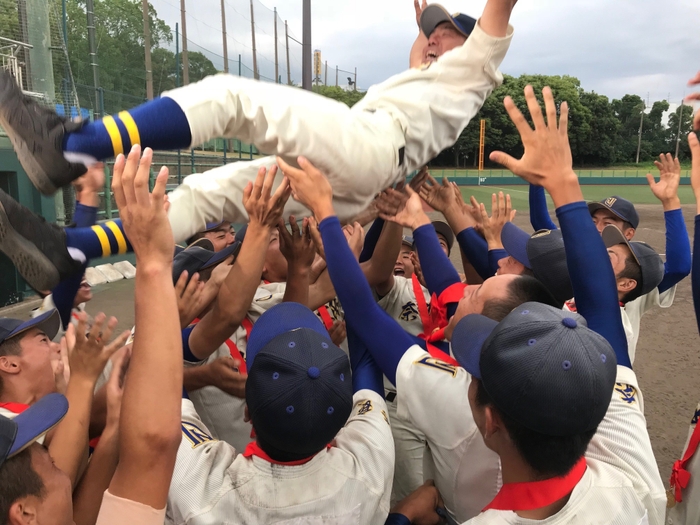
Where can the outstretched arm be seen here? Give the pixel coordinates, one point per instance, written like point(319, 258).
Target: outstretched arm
point(695, 183)
point(416, 57)
point(539, 214)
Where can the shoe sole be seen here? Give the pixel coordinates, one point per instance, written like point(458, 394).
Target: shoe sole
point(36, 173)
point(33, 266)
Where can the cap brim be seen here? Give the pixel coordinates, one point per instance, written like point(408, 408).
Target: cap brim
point(612, 236)
point(434, 15)
point(514, 242)
point(222, 255)
point(48, 323)
point(444, 229)
point(278, 320)
point(212, 226)
point(468, 339)
point(37, 420)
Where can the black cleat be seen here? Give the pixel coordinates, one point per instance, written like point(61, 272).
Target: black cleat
point(36, 248)
point(37, 134)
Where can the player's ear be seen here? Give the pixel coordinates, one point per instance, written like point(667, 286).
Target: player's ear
point(9, 364)
point(629, 233)
point(493, 424)
point(626, 285)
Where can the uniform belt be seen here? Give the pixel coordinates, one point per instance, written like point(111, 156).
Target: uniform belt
point(390, 396)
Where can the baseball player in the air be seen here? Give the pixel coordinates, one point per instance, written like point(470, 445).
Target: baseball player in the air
point(397, 128)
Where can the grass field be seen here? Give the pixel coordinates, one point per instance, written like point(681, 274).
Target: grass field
point(623, 172)
point(637, 194)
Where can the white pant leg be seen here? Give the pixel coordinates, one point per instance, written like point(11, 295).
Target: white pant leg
point(357, 150)
point(217, 195)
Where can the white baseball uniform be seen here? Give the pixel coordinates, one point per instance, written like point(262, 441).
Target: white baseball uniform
point(347, 484)
point(633, 311)
point(687, 512)
point(222, 413)
point(395, 129)
point(622, 485)
point(409, 442)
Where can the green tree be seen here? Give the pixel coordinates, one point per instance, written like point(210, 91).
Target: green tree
point(164, 70)
point(336, 93)
point(672, 135)
point(628, 111)
point(9, 19)
point(598, 146)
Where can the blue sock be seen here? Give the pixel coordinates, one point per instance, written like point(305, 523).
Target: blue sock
point(157, 124)
point(100, 240)
point(64, 295)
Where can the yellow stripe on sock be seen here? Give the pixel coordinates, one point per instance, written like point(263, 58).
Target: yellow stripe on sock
point(131, 127)
point(104, 240)
point(113, 131)
point(121, 241)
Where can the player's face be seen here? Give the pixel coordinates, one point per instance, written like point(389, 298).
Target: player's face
point(442, 39)
point(618, 259)
point(56, 505)
point(510, 266)
point(443, 244)
point(84, 293)
point(603, 218)
point(404, 266)
point(221, 237)
point(275, 269)
point(34, 361)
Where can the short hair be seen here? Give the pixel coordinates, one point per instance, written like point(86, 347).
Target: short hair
point(18, 480)
point(195, 237)
point(633, 271)
point(522, 289)
point(11, 346)
point(548, 456)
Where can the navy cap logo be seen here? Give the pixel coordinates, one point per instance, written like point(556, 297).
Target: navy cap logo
point(540, 233)
point(610, 201)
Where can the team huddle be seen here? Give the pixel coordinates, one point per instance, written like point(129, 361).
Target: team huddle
point(327, 363)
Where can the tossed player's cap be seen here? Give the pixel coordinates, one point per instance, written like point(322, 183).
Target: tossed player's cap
point(407, 240)
point(31, 425)
point(541, 366)
point(299, 388)
point(651, 265)
point(198, 257)
point(542, 252)
point(618, 206)
point(211, 226)
point(47, 322)
point(434, 15)
point(444, 229)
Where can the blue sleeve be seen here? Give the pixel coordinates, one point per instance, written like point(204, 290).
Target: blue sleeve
point(381, 334)
point(494, 257)
point(438, 270)
point(677, 266)
point(365, 372)
point(397, 519)
point(475, 249)
point(592, 277)
point(64, 295)
point(371, 239)
point(84, 216)
point(539, 215)
point(187, 354)
point(695, 278)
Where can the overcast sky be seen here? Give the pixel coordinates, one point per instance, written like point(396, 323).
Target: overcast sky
point(614, 47)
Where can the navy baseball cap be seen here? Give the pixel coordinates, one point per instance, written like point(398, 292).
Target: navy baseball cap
point(240, 233)
point(444, 229)
point(211, 226)
point(434, 15)
point(618, 206)
point(198, 257)
point(651, 265)
point(407, 240)
point(299, 388)
point(542, 252)
point(26, 428)
point(47, 322)
point(541, 366)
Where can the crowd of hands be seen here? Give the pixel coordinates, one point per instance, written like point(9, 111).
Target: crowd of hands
point(87, 347)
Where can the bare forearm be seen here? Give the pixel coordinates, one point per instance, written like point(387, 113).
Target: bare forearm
point(494, 21)
point(297, 287)
point(416, 57)
point(87, 497)
point(378, 269)
point(321, 291)
point(196, 377)
point(98, 413)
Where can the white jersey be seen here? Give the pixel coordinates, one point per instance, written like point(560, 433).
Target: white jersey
point(348, 484)
point(633, 311)
point(400, 303)
point(621, 485)
point(466, 472)
point(687, 512)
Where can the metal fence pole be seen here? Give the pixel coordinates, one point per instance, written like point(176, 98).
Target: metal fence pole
point(108, 193)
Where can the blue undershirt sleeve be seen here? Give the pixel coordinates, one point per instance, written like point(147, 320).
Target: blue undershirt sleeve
point(397, 519)
point(539, 215)
point(438, 270)
point(381, 334)
point(371, 240)
point(677, 265)
point(366, 375)
point(84, 216)
point(695, 278)
point(186, 352)
point(592, 277)
point(475, 249)
point(495, 256)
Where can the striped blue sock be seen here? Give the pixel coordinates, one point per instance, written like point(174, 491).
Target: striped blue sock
point(100, 240)
point(157, 124)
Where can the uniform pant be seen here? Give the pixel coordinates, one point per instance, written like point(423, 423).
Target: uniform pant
point(359, 150)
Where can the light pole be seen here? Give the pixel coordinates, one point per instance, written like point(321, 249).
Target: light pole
point(306, 64)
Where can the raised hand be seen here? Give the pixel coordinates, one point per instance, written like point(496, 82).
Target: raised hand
point(419, 6)
point(264, 207)
point(405, 209)
point(695, 81)
point(337, 332)
point(189, 295)
point(501, 213)
point(316, 238)
point(298, 246)
point(440, 197)
point(695, 171)
point(417, 269)
point(355, 235)
point(310, 187)
point(666, 189)
point(226, 376)
point(91, 352)
point(419, 180)
point(547, 158)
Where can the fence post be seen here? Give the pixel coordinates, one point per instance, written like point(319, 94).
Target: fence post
point(250, 149)
point(192, 161)
point(108, 193)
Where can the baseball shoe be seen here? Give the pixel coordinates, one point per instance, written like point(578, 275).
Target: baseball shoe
point(36, 248)
point(37, 134)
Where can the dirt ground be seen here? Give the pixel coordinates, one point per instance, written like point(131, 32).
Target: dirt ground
point(668, 353)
